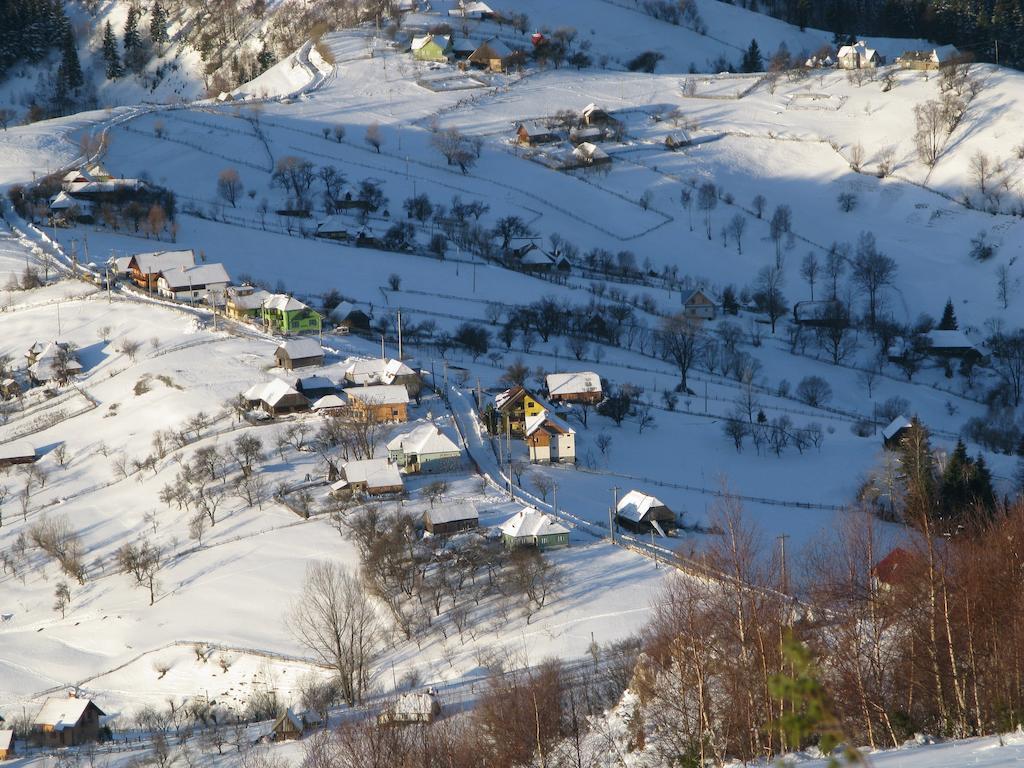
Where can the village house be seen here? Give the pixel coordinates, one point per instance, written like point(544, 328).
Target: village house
point(893, 570)
point(375, 477)
point(53, 361)
point(244, 302)
point(677, 139)
point(549, 438)
point(642, 513)
point(336, 228)
point(451, 518)
point(534, 132)
point(201, 282)
point(315, 387)
point(472, 10)
point(592, 133)
point(531, 528)
point(698, 306)
point(589, 155)
point(6, 744)
point(594, 115)
point(145, 268)
point(17, 452)
point(859, 56)
point(276, 397)
point(431, 47)
point(824, 313)
point(511, 408)
point(952, 344)
point(576, 387)
point(379, 370)
point(329, 405)
point(382, 402)
point(299, 353)
point(65, 209)
point(9, 388)
point(411, 708)
point(66, 722)
point(289, 726)
point(285, 314)
point(893, 434)
point(425, 449)
point(492, 55)
point(933, 59)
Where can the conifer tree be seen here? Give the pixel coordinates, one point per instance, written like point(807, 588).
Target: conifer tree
point(110, 54)
point(132, 41)
point(69, 74)
point(753, 61)
point(948, 321)
point(158, 24)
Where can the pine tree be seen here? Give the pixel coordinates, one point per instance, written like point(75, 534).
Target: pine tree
point(948, 321)
point(158, 24)
point(752, 59)
point(69, 74)
point(980, 487)
point(132, 41)
point(110, 55)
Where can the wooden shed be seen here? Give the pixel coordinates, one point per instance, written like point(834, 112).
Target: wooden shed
point(66, 722)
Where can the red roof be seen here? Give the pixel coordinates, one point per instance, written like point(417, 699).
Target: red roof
point(894, 567)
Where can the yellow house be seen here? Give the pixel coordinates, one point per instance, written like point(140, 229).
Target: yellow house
point(513, 407)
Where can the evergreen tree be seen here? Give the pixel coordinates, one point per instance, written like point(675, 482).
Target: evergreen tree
point(69, 74)
point(265, 59)
point(917, 471)
point(753, 61)
point(110, 55)
point(948, 321)
point(132, 41)
point(158, 24)
point(981, 489)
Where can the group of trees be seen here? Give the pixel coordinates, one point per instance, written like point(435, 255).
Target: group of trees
point(137, 50)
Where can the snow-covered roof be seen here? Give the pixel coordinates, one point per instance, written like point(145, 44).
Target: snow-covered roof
point(375, 370)
point(576, 383)
point(328, 401)
point(180, 278)
point(690, 297)
point(62, 201)
point(529, 522)
point(493, 48)
point(453, 512)
point(590, 152)
point(61, 712)
point(121, 263)
point(536, 257)
point(6, 739)
point(900, 422)
point(441, 41)
point(270, 392)
point(284, 303)
point(424, 439)
point(859, 48)
point(547, 419)
point(380, 394)
point(247, 297)
point(375, 473)
point(334, 224)
point(295, 349)
point(19, 449)
point(290, 717)
point(635, 504)
point(158, 261)
point(509, 395)
point(949, 340)
point(536, 128)
point(45, 366)
point(315, 382)
point(418, 704)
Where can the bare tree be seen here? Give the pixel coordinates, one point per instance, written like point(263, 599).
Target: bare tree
point(982, 169)
point(737, 225)
point(373, 136)
point(929, 131)
point(707, 199)
point(856, 157)
point(809, 270)
point(142, 561)
point(229, 185)
point(681, 339)
point(768, 296)
point(872, 272)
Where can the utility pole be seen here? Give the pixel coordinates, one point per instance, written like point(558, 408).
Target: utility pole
point(400, 358)
point(554, 498)
point(785, 576)
point(611, 512)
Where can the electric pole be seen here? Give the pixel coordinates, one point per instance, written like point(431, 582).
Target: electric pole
point(612, 511)
point(785, 576)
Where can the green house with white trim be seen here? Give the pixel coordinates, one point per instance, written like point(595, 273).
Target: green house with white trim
point(431, 47)
point(284, 314)
point(531, 528)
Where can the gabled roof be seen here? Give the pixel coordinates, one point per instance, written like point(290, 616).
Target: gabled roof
point(453, 512)
point(156, 262)
point(510, 396)
point(328, 401)
point(380, 394)
point(294, 349)
point(270, 392)
point(62, 201)
point(689, 297)
point(949, 340)
point(529, 522)
point(6, 739)
point(441, 41)
point(424, 439)
point(180, 278)
point(413, 704)
point(284, 303)
point(894, 567)
point(576, 383)
point(491, 49)
point(45, 366)
point(636, 504)
point(376, 370)
point(376, 473)
point(315, 382)
point(859, 48)
point(247, 297)
point(62, 712)
point(290, 717)
point(537, 128)
point(19, 449)
point(590, 152)
point(549, 421)
point(900, 422)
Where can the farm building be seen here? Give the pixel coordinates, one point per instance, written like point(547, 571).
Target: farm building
point(17, 452)
point(9, 388)
point(288, 727)
point(893, 569)
point(315, 387)
point(373, 476)
point(532, 133)
point(145, 268)
point(587, 155)
point(431, 47)
point(531, 528)
point(577, 387)
point(594, 115)
point(53, 361)
point(934, 59)
point(826, 313)
point(411, 708)
point(244, 302)
point(66, 722)
point(329, 405)
point(285, 314)
point(677, 139)
point(425, 449)
point(698, 306)
point(379, 370)
point(202, 282)
point(549, 438)
point(451, 518)
point(642, 513)
point(893, 434)
point(591, 133)
point(472, 10)
point(492, 55)
point(952, 344)
point(299, 353)
point(276, 397)
point(382, 402)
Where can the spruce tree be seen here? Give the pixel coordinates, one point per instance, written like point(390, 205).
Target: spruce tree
point(132, 41)
point(69, 74)
point(752, 59)
point(110, 55)
point(948, 321)
point(158, 24)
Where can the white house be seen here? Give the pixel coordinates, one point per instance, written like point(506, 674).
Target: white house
point(550, 438)
point(373, 476)
point(698, 305)
point(378, 370)
point(425, 449)
point(859, 56)
point(531, 528)
point(198, 282)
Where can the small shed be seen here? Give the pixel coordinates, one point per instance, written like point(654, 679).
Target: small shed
point(893, 434)
point(677, 139)
point(595, 115)
point(288, 727)
point(575, 387)
point(17, 452)
point(412, 708)
point(299, 353)
point(276, 397)
point(448, 519)
point(66, 722)
point(642, 513)
point(952, 344)
point(587, 154)
point(534, 132)
point(492, 55)
point(531, 528)
point(315, 387)
point(329, 405)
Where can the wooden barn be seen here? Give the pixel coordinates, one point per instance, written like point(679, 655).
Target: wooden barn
point(66, 722)
point(17, 452)
point(299, 353)
point(576, 387)
point(642, 513)
point(451, 518)
point(276, 397)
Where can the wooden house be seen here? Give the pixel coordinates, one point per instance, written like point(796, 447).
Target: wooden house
point(588, 155)
point(145, 268)
point(677, 139)
point(410, 709)
point(893, 434)
point(826, 313)
point(66, 722)
point(642, 513)
point(576, 387)
point(531, 528)
point(511, 408)
point(594, 115)
point(336, 228)
point(17, 452)
point(9, 388)
point(425, 449)
point(201, 282)
point(449, 519)
point(933, 59)
point(244, 302)
point(431, 47)
point(329, 405)
point(285, 314)
point(379, 370)
point(952, 344)
point(894, 569)
point(288, 727)
point(53, 361)
point(315, 387)
point(698, 306)
point(375, 477)
point(534, 132)
point(474, 9)
point(859, 56)
point(382, 402)
point(591, 133)
point(299, 353)
point(492, 55)
point(6, 744)
point(275, 397)
point(549, 438)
